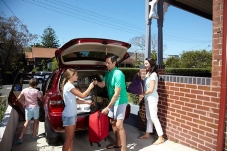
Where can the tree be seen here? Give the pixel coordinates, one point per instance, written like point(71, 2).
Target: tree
point(49, 38)
point(138, 45)
point(54, 64)
point(172, 62)
point(196, 59)
point(14, 37)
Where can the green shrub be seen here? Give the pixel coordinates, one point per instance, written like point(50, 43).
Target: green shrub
point(129, 73)
point(2, 108)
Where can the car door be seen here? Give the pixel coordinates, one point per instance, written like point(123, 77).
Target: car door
point(21, 81)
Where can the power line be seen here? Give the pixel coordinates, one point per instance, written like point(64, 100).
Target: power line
point(93, 20)
point(12, 12)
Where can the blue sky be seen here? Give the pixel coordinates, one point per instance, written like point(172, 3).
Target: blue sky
point(116, 19)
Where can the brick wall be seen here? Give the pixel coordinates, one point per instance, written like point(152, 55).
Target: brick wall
point(188, 106)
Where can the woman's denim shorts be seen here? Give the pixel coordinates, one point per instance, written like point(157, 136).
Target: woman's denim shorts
point(68, 121)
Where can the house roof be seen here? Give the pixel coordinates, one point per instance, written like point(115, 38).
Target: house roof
point(43, 52)
point(28, 55)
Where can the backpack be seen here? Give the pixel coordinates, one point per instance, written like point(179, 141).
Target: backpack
point(136, 86)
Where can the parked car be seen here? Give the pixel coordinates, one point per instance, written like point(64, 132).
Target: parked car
point(41, 76)
point(87, 56)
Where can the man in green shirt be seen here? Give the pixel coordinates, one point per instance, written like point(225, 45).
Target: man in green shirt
point(115, 82)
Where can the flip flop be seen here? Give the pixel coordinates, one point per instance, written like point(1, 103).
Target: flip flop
point(34, 138)
point(112, 146)
point(19, 141)
point(158, 142)
point(143, 137)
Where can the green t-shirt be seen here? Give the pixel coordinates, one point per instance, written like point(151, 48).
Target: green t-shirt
point(116, 79)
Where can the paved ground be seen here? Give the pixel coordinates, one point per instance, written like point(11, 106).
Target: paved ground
point(81, 142)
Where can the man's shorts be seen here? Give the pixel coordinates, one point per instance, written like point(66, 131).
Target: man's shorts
point(68, 121)
point(117, 112)
point(31, 113)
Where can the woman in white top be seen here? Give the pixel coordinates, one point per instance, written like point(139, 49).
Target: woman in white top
point(151, 101)
point(69, 115)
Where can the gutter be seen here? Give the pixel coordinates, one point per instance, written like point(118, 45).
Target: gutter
point(223, 95)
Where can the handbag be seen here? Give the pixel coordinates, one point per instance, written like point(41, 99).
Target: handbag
point(136, 86)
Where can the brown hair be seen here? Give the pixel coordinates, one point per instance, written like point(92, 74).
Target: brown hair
point(33, 83)
point(153, 67)
point(68, 73)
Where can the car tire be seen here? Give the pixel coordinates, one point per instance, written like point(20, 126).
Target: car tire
point(51, 135)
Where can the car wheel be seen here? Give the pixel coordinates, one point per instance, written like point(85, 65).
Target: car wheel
point(51, 135)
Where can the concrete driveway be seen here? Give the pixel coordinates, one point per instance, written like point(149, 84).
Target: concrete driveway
point(81, 142)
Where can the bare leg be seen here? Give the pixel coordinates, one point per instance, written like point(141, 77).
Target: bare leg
point(35, 126)
point(122, 134)
point(24, 129)
point(69, 135)
point(116, 133)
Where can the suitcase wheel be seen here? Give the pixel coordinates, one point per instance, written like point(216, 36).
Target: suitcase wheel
point(91, 144)
point(99, 145)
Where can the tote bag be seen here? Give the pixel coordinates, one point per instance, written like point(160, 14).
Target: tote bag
point(136, 86)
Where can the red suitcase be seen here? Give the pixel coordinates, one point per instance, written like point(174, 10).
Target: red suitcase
point(98, 127)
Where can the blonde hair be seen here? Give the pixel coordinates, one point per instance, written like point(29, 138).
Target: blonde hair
point(68, 73)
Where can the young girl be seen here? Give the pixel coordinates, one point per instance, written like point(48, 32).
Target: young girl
point(69, 115)
point(30, 95)
point(151, 101)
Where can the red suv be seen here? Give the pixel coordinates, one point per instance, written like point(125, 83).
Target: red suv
point(87, 56)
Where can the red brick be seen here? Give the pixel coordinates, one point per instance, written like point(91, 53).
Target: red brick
point(182, 85)
point(187, 109)
point(211, 125)
point(187, 118)
point(174, 88)
point(190, 105)
point(186, 126)
point(200, 87)
point(192, 86)
point(199, 112)
point(185, 99)
point(179, 103)
point(214, 94)
point(179, 94)
point(174, 97)
point(170, 83)
point(180, 121)
point(193, 96)
point(200, 122)
point(185, 90)
point(202, 97)
point(195, 101)
point(203, 108)
point(181, 112)
point(193, 115)
point(197, 91)
point(210, 104)
point(197, 130)
point(207, 119)
point(207, 129)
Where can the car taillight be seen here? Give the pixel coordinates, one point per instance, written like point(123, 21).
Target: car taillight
point(56, 104)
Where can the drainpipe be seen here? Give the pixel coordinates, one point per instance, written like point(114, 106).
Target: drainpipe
point(223, 95)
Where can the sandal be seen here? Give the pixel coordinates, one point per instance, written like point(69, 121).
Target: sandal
point(19, 141)
point(157, 142)
point(112, 146)
point(143, 137)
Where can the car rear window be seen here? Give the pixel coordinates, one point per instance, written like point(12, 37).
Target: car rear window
point(85, 55)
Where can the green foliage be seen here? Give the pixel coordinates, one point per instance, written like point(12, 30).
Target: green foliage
point(2, 108)
point(172, 62)
point(35, 69)
point(129, 73)
point(181, 71)
point(54, 64)
point(44, 65)
point(132, 98)
point(14, 37)
point(196, 59)
point(49, 38)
